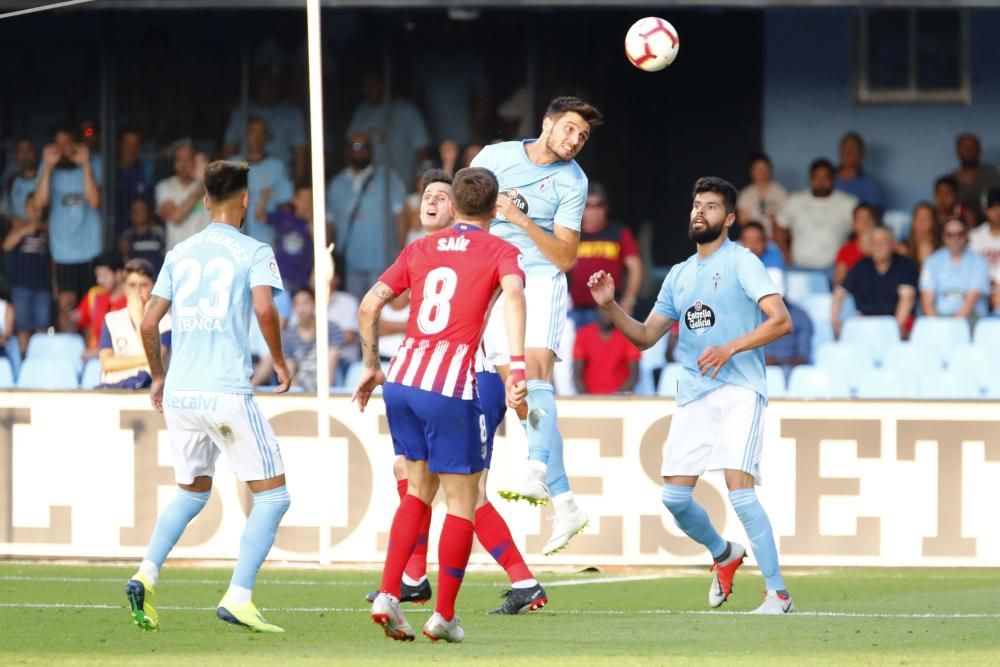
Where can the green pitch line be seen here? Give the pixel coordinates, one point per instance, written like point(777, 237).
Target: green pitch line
point(77, 615)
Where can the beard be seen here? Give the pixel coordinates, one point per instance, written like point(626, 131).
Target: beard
point(970, 163)
point(707, 235)
point(359, 163)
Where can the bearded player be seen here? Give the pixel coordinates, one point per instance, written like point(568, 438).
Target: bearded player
point(542, 196)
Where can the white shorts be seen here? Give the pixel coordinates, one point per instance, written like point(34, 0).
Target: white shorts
point(203, 423)
point(547, 307)
point(721, 430)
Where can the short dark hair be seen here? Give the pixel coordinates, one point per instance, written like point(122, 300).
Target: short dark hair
point(821, 163)
point(307, 290)
point(110, 260)
point(754, 225)
point(719, 186)
point(565, 104)
point(761, 156)
point(968, 135)
point(950, 181)
point(141, 266)
point(597, 189)
point(475, 191)
point(225, 179)
point(434, 176)
point(854, 136)
point(880, 226)
point(864, 206)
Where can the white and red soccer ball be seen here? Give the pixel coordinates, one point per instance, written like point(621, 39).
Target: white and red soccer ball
point(651, 44)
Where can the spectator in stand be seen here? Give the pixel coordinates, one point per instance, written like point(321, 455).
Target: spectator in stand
point(356, 205)
point(954, 281)
point(883, 284)
point(107, 295)
point(393, 326)
point(23, 182)
point(607, 246)
point(69, 186)
point(859, 245)
point(449, 153)
point(343, 312)
point(409, 228)
point(395, 128)
point(299, 342)
point(293, 247)
point(454, 85)
point(851, 176)
point(143, 239)
point(754, 238)
point(29, 271)
point(763, 199)
point(179, 198)
point(8, 323)
point(974, 177)
point(925, 234)
point(946, 203)
point(795, 349)
point(985, 240)
point(604, 361)
point(286, 140)
point(815, 222)
point(122, 355)
point(132, 179)
point(268, 186)
point(470, 152)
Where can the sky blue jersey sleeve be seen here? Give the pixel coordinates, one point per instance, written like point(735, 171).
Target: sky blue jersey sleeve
point(264, 270)
point(482, 158)
point(753, 277)
point(570, 211)
point(665, 299)
point(164, 287)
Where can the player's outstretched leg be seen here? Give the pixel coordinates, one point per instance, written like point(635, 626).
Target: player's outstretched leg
point(525, 594)
point(140, 589)
point(236, 606)
point(691, 517)
point(402, 538)
point(758, 529)
point(415, 586)
point(528, 483)
point(453, 557)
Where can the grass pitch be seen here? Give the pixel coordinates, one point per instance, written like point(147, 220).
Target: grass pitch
point(56, 614)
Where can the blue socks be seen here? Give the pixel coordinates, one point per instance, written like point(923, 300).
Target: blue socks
point(758, 528)
point(544, 441)
point(258, 536)
point(692, 519)
point(169, 527)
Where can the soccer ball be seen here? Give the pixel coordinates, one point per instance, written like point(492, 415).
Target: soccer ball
point(651, 44)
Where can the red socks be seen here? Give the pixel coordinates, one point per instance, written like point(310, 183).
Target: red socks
point(402, 538)
point(453, 557)
point(416, 567)
point(494, 535)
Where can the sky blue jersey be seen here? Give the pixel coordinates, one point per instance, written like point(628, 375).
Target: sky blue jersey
point(550, 195)
point(208, 278)
point(716, 300)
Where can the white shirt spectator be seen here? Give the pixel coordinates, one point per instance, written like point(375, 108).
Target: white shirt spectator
point(983, 242)
point(819, 226)
point(173, 190)
point(343, 312)
point(389, 343)
point(760, 207)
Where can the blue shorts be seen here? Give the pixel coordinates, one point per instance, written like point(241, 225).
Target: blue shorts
point(493, 402)
point(449, 433)
point(32, 308)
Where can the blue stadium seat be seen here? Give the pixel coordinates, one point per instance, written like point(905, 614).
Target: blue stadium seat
point(41, 373)
point(822, 333)
point(6, 373)
point(13, 349)
point(947, 384)
point(60, 347)
point(987, 332)
point(813, 382)
point(668, 380)
point(898, 220)
point(91, 374)
point(800, 283)
point(978, 363)
point(845, 360)
point(945, 333)
point(876, 333)
point(818, 307)
point(883, 383)
point(776, 382)
point(903, 358)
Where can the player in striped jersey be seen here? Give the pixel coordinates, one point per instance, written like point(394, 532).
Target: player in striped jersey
point(525, 594)
point(430, 388)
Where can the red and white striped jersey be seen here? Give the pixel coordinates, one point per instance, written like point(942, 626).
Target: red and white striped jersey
point(453, 277)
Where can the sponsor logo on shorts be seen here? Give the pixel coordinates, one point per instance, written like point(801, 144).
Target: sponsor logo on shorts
point(699, 318)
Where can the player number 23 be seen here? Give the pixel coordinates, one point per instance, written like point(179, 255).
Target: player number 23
point(218, 276)
point(435, 308)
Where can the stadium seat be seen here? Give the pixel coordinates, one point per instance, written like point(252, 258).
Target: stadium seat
point(668, 380)
point(91, 374)
point(41, 373)
point(813, 382)
point(652, 359)
point(898, 221)
point(875, 333)
point(987, 333)
point(949, 385)
point(822, 333)
point(911, 358)
point(800, 283)
point(978, 363)
point(60, 347)
point(818, 306)
point(13, 349)
point(883, 383)
point(6, 373)
point(846, 360)
point(776, 382)
point(945, 333)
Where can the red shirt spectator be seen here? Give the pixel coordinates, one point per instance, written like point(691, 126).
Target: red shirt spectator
point(605, 362)
point(100, 300)
point(859, 245)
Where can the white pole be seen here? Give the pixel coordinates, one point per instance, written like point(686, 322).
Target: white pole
point(321, 256)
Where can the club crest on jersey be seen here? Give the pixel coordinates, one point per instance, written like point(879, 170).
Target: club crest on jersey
point(699, 319)
point(453, 244)
point(716, 279)
point(546, 182)
point(519, 200)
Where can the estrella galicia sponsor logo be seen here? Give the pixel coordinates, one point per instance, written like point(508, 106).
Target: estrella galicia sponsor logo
point(699, 319)
point(519, 200)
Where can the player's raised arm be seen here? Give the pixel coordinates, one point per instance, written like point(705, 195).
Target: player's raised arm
point(560, 247)
point(514, 321)
point(149, 329)
point(270, 327)
point(642, 334)
point(368, 325)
